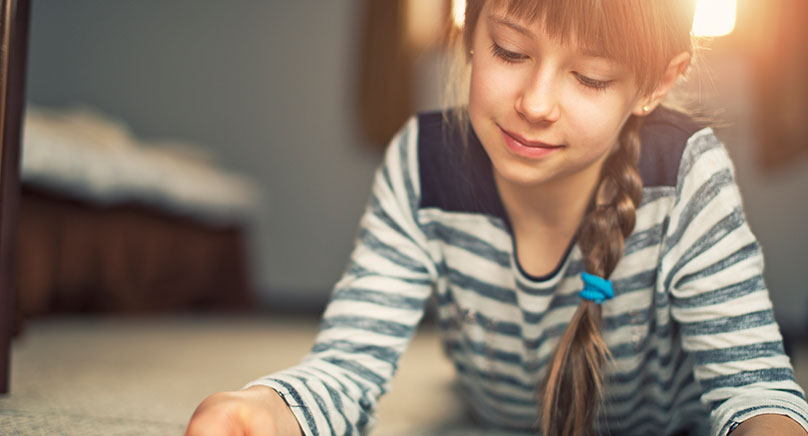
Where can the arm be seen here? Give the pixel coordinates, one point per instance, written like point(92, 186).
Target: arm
point(712, 269)
point(373, 311)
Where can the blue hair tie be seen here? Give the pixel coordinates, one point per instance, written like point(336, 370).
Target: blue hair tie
point(596, 288)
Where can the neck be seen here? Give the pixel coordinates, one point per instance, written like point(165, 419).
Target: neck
point(557, 206)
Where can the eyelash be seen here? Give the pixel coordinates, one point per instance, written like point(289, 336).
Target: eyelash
point(598, 85)
point(510, 57)
point(506, 55)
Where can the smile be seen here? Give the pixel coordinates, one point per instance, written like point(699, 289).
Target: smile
point(527, 148)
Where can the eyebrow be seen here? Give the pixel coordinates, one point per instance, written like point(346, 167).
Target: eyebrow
point(585, 51)
point(515, 26)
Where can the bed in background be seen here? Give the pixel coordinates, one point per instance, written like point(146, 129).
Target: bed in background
point(109, 223)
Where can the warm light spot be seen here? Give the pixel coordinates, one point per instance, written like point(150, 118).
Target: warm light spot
point(458, 12)
point(425, 19)
point(714, 17)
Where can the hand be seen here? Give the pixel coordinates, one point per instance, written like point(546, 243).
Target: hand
point(769, 424)
point(257, 411)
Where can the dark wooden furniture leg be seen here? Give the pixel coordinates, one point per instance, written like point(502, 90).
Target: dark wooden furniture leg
point(13, 48)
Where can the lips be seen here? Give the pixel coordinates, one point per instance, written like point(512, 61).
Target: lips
point(526, 148)
point(528, 143)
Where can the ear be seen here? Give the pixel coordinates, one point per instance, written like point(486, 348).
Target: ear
point(676, 68)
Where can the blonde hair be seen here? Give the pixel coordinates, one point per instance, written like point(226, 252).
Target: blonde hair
point(643, 35)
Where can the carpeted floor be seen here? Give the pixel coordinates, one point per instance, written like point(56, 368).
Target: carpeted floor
point(145, 376)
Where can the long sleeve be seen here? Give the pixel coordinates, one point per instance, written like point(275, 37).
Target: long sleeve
point(373, 311)
point(712, 269)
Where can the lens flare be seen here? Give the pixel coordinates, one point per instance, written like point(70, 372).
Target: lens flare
point(714, 17)
point(458, 12)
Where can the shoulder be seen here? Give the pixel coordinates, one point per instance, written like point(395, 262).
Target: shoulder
point(438, 143)
point(665, 135)
point(423, 160)
point(440, 155)
point(455, 172)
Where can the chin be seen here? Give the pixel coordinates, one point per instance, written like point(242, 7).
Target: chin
point(525, 177)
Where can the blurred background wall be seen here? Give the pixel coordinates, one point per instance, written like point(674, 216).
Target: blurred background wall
point(265, 86)
point(269, 87)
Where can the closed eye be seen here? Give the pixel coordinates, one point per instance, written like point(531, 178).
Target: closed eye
point(592, 83)
point(506, 55)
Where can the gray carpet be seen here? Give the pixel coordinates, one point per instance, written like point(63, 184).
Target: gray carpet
point(145, 376)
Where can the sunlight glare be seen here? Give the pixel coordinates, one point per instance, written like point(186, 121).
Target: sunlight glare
point(458, 12)
point(714, 17)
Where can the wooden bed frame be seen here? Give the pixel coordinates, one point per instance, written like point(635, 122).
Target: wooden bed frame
point(74, 256)
point(13, 48)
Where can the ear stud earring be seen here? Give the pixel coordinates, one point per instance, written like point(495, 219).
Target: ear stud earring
point(646, 108)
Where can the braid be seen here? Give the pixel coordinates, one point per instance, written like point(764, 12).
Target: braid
point(572, 387)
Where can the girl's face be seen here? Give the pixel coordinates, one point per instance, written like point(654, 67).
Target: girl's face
point(545, 113)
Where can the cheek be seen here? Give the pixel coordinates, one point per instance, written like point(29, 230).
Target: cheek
point(492, 86)
point(481, 90)
point(597, 120)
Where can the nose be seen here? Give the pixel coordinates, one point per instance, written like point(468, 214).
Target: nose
point(538, 100)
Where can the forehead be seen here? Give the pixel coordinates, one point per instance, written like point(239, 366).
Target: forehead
point(532, 30)
point(574, 24)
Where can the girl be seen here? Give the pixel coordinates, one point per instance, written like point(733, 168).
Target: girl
point(586, 245)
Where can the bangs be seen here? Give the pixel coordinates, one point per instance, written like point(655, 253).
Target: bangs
point(635, 33)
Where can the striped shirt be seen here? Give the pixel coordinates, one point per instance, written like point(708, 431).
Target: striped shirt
point(695, 346)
